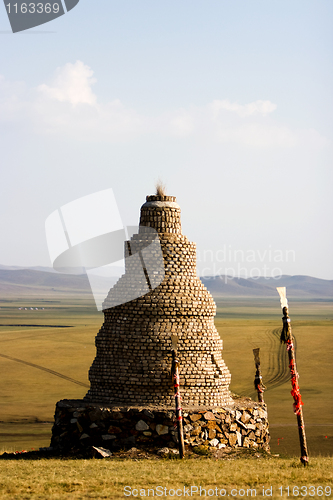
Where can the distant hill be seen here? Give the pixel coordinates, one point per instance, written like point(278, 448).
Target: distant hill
point(29, 281)
point(297, 286)
point(20, 281)
point(33, 268)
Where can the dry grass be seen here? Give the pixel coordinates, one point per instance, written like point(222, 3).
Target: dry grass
point(314, 355)
point(160, 188)
point(83, 479)
point(28, 395)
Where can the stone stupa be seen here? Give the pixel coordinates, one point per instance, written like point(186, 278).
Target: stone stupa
point(133, 360)
point(131, 396)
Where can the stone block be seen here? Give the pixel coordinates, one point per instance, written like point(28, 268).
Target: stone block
point(141, 426)
point(211, 433)
point(162, 429)
point(232, 439)
point(209, 416)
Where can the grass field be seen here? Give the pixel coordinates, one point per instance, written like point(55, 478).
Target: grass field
point(43, 364)
point(112, 479)
point(247, 324)
point(28, 393)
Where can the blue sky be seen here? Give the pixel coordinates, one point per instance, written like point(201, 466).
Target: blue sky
point(228, 102)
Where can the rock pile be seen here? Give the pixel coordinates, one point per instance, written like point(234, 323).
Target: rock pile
point(79, 425)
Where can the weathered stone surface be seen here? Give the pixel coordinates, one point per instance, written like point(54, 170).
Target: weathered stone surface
point(103, 452)
point(246, 442)
point(93, 415)
point(108, 437)
point(245, 417)
point(252, 436)
point(211, 424)
point(209, 416)
point(232, 439)
point(163, 451)
point(133, 347)
point(116, 430)
point(211, 433)
point(142, 426)
point(262, 413)
point(195, 417)
point(132, 429)
point(162, 429)
point(117, 415)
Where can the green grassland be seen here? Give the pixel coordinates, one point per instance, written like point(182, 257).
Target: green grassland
point(43, 364)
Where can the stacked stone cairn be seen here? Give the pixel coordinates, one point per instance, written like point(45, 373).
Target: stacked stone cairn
point(131, 395)
point(133, 360)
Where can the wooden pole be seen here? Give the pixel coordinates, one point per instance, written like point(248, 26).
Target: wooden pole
point(287, 338)
point(259, 386)
point(176, 384)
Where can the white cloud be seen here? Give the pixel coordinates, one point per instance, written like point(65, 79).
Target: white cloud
point(245, 125)
point(67, 107)
point(182, 123)
point(72, 83)
point(253, 108)
point(257, 135)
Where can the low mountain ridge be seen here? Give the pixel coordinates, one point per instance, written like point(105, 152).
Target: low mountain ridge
point(24, 281)
point(298, 286)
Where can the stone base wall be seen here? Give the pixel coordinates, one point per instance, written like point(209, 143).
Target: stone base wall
point(80, 425)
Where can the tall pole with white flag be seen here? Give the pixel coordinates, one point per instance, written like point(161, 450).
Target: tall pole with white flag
point(287, 338)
